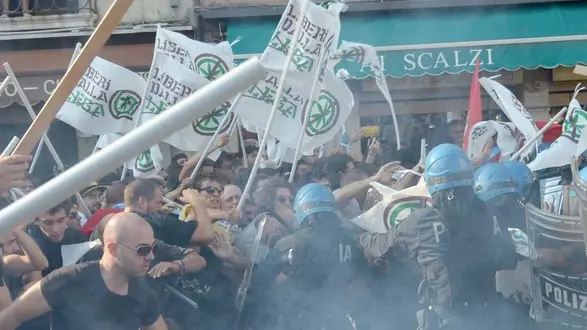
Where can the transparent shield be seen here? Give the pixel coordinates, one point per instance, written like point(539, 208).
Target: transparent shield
point(373, 197)
point(559, 266)
point(551, 195)
point(580, 190)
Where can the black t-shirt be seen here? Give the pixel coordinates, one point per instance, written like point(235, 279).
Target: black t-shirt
point(170, 229)
point(80, 299)
point(51, 249)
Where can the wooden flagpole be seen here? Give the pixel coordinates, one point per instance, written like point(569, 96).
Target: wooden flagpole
point(97, 40)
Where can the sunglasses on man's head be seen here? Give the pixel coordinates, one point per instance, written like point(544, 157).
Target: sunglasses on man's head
point(142, 250)
point(211, 190)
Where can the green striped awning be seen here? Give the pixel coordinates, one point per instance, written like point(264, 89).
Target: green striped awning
point(419, 42)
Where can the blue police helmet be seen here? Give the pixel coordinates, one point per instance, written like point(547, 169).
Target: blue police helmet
point(447, 166)
point(583, 174)
point(493, 180)
point(522, 175)
point(313, 198)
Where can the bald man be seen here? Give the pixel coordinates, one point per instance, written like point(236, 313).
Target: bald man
point(106, 294)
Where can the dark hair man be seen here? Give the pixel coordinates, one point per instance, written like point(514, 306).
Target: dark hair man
point(114, 295)
point(50, 232)
point(456, 131)
point(224, 168)
point(145, 198)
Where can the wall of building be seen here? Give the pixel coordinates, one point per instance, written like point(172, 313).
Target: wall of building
point(152, 11)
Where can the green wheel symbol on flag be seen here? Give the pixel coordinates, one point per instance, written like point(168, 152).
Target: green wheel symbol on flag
point(123, 104)
point(574, 124)
point(144, 162)
point(323, 114)
point(399, 210)
point(210, 66)
point(208, 124)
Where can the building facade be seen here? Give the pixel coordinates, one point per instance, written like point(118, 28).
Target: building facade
point(429, 49)
point(37, 39)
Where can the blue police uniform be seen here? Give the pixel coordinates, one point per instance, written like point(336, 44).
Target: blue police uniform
point(457, 246)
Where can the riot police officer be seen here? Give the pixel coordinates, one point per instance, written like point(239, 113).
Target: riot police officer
point(456, 247)
point(495, 185)
point(315, 266)
point(522, 176)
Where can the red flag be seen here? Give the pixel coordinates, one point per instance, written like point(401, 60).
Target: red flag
point(475, 112)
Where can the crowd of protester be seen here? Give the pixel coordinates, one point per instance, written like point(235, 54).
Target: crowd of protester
point(171, 252)
point(185, 236)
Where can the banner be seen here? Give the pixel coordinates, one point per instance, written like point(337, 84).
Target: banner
point(105, 99)
point(514, 110)
point(169, 83)
point(393, 209)
point(318, 36)
point(484, 132)
point(208, 60)
point(565, 146)
point(366, 55)
point(150, 162)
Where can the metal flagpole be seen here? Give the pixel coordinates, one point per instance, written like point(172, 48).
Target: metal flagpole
point(539, 134)
point(128, 146)
point(241, 138)
point(45, 138)
point(288, 61)
point(213, 138)
point(4, 84)
point(97, 144)
point(307, 116)
point(36, 156)
point(8, 150)
point(76, 51)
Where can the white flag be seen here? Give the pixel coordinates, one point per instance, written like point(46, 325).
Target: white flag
point(366, 56)
point(514, 110)
point(169, 83)
point(150, 162)
point(393, 209)
point(104, 100)
point(329, 111)
point(565, 146)
point(208, 60)
point(502, 133)
point(255, 105)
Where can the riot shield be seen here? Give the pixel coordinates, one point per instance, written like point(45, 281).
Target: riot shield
point(551, 193)
point(558, 269)
point(373, 197)
point(580, 189)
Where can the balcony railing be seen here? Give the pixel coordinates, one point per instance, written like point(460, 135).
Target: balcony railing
point(22, 15)
point(220, 9)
